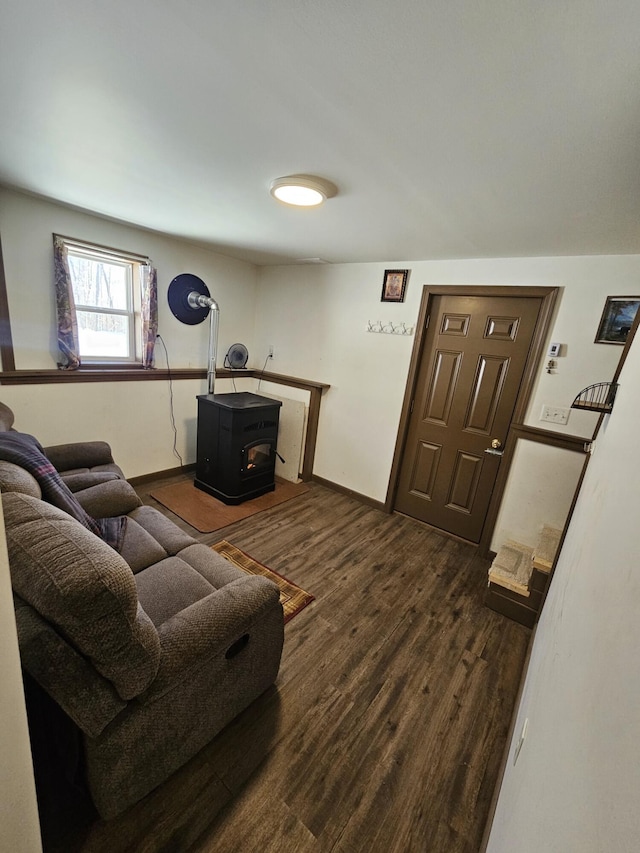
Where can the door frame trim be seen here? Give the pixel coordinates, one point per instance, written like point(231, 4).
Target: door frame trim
point(549, 296)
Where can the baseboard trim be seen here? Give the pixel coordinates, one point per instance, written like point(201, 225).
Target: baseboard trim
point(438, 530)
point(168, 472)
point(343, 490)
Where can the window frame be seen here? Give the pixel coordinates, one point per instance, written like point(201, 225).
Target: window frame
point(134, 262)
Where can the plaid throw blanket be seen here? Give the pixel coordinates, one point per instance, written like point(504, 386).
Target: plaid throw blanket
point(25, 451)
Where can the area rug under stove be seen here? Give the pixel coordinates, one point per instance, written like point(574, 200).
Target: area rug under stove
point(207, 513)
point(292, 598)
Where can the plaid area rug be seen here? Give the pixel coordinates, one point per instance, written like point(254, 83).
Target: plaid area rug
point(292, 597)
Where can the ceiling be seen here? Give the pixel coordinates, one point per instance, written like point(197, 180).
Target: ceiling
point(452, 128)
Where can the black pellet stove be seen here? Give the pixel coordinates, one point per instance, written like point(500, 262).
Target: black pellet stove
point(236, 452)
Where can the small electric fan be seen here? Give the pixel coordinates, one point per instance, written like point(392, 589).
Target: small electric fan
point(236, 357)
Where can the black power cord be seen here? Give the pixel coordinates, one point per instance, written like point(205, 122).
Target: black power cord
point(263, 369)
point(173, 420)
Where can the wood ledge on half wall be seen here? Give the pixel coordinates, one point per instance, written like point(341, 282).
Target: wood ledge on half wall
point(135, 373)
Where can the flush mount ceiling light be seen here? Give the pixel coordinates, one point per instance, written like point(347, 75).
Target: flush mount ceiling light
point(302, 190)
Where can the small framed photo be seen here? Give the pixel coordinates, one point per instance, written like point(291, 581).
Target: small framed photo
point(617, 319)
point(394, 285)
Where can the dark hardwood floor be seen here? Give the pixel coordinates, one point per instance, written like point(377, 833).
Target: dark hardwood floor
point(387, 724)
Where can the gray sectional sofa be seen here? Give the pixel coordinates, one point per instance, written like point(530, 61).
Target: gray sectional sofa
point(150, 649)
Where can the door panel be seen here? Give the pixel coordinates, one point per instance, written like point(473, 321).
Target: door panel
point(502, 328)
point(443, 385)
point(464, 482)
point(485, 393)
point(425, 469)
point(455, 324)
point(468, 378)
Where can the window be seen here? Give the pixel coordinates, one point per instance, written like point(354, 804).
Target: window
point(106, 290)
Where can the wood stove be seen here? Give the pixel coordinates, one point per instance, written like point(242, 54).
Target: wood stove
point(236, 452)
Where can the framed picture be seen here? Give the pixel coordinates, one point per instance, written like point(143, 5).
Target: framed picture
point(393, 285)
point(617, 319)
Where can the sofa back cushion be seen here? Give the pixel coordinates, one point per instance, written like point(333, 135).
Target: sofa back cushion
point(82, 587)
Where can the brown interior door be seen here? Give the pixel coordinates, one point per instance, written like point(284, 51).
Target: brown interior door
point(468, 379)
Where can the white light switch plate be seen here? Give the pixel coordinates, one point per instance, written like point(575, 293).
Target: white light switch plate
point(555, 414)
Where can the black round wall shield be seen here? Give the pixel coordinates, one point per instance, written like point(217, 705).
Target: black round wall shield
point(178, 296)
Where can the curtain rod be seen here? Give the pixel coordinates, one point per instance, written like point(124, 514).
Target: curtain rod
point(85, 244)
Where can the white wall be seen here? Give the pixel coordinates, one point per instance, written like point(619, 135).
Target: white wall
point(19, 827)
point(316, 316)
point(576, 784)
point(541, 485)
point(133, 416)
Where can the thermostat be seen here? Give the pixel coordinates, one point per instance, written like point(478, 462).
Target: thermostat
point(554, 350)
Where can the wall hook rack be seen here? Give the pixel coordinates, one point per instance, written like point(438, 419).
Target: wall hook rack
point(388, 328)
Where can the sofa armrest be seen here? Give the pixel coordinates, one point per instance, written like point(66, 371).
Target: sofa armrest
point(105, 500)
point(81, 454)
point(89, 699)
point(211, 627)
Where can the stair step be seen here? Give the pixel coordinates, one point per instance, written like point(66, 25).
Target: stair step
point(539, 581)
point(545, 550)
point(511, 605)
point(512, 567)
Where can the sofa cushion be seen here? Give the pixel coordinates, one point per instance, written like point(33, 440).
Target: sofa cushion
point(170, 586)
point(82, 456)
point(83, 587)
point(13, 478)
point(174, 584)
point(93, 473)
point(139, 548)
point(105, 500)
point(212, 566)
point(164, 531)
point(85, 479)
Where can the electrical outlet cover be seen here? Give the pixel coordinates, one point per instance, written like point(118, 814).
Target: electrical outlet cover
point(555, 415)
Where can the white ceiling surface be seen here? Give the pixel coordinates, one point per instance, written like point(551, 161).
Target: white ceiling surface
point(452, 128)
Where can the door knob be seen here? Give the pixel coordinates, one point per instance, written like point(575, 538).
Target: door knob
point(494, 450)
